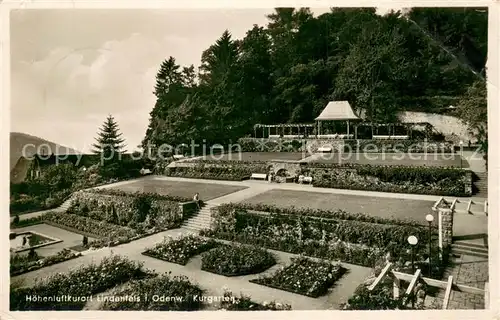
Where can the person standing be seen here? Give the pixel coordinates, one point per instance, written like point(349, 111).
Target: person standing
point(196, 199)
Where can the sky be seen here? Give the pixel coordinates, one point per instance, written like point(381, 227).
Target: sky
point(70, 69)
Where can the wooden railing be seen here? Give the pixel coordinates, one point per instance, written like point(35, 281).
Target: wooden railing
point(416, 278)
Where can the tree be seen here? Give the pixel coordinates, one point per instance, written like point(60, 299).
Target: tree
point(109, 142)
point(473, 110)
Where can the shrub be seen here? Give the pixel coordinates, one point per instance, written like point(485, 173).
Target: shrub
point(16, 220)
point(179, 292)
point(304, 276)
point(236, 260)
point(20, 264)
point(180, 250)
point(85, 241)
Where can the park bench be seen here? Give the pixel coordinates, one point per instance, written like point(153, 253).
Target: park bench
point(178, 156)
point(324, 149)
point(305, 179)
point(258, 176)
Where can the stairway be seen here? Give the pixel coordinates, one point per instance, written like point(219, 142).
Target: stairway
point(64, 206)
point(200, 220)
point(481, 184)
point(468, 248)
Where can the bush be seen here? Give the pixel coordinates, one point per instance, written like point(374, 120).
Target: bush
point(16, 220)
point(237, 260)
point(85, 241)
point(270, 145)
point(397, 146)
point(83, 282)
point(131, 296)
point(304, 276)
point(180, 250)
point(26, 222)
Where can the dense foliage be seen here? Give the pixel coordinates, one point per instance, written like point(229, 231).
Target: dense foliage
point(400, 179)
point(180, 250)
point(176, 293)
point(237, 260)
point(286, 71)
point(80, 283)
point(304, 276)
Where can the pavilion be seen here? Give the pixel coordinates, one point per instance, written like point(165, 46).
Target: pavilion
point(337, 111)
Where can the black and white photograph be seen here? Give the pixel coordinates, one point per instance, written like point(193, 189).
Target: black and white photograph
point(249, 159)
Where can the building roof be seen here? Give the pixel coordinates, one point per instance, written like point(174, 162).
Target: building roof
point(337, 110)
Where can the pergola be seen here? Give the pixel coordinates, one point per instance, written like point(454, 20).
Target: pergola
point(296, 130)
point(337, 111)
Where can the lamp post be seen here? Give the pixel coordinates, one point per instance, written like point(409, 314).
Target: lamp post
point(412, 240)
point(461, 152)
point(429, 219)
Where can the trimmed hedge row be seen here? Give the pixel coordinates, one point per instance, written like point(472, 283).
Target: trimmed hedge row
point(397, 146)
point(270, 145)
point(232, 172)
point(402, 179)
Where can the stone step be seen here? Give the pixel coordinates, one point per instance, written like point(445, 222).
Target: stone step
point(464, 248)
point(459, 252)
point(468, 244)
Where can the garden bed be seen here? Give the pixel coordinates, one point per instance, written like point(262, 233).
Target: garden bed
point(177, 293)
point(80, 284)
point(237, 260)
point(180, 250)
point(23, 264)
point(305, 277)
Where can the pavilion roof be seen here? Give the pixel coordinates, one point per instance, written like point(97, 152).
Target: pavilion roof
point(337, 110)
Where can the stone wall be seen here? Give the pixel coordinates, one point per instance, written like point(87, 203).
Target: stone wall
point(451, 127)
point(445, 220)
point(292, 167)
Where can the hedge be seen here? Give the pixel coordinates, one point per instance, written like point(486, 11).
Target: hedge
point(401, 179)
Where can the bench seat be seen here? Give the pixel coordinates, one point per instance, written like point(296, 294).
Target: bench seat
point(261, 176)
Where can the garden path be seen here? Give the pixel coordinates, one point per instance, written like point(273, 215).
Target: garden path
point(215, 284)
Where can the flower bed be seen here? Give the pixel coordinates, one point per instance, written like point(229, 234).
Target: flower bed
point(180, 250)
point(178, 292)
point(402, 179)
point(304, 276)
point(152, 196)
point(244, 303)
point(22, 264)
point(237, 260)
point(147, 209)
point(80, 284)
point(350, 241)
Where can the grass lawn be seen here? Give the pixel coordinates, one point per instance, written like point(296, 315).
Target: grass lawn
point(258, 156)
point(376, 206)
point(207, 191)
point(414, 159)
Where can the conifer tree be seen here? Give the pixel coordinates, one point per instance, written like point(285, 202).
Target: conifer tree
point(109, 141)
